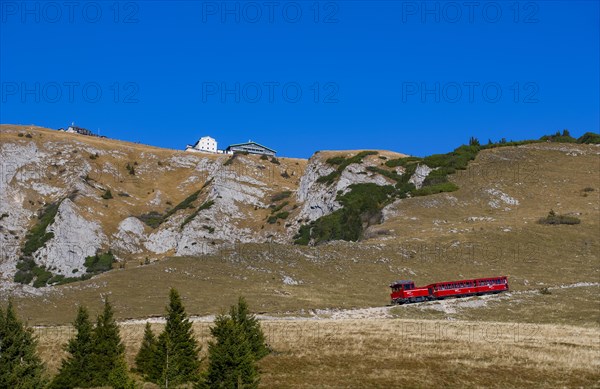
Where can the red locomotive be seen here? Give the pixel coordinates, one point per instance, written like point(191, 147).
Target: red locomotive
point(405, 291)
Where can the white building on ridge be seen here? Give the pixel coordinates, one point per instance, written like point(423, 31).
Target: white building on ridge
point(206, 144)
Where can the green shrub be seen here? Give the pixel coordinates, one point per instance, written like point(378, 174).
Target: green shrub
point(281, 215)
point(565, 137)
point(186, 203)
point(37, 237)
point(438, 188)
point(342, 163)
point(209, 228)
point(56, 279)
point(275, 161)
point(553, 218)
point(402, 161)
point(303, 235)
point(107, 195)
point(26, 264)
point(280, 196)
point(277, 208)
point(404, 188)
point(338, 160)
point(130, 168)
point(153, 219)
point(264, 157)
point(386, 173)
point(99, 263)
point(23, 277)
point(205, 205)
point(41, 277)
point(230, 160)
point(589, 138)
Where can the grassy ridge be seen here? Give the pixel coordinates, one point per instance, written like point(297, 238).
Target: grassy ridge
point(349, 222)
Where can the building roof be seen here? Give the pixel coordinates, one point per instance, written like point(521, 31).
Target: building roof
point(251, 143)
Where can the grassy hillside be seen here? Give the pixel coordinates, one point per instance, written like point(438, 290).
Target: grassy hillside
point(543, 333)
point(487, 227)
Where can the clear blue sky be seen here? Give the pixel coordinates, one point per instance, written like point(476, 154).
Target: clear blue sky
point(409, 76)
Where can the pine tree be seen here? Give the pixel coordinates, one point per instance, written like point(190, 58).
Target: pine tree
point(473, 141)
point(76, 370)
point(108, 362)
point(176, 359)
point(144, 359)
point(1, 327)
point(20, 366)
point(231, 360)
point(251, 328)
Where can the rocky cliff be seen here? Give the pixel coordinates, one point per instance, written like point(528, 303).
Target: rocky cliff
point(67, 197)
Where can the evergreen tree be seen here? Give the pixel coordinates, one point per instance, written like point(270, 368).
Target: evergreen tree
point(1, 327)
point(251, 328)
point(473, 141)
point(108, 361)
point(144, 359)
point(76, 370)
point(20, 366)
point(231, 360)
point(176, 359)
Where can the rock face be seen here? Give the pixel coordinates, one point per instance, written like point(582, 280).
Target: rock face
point(130, 236)
point(420, 174)
point(75, 238)
point(164, 203)
point(319, 199)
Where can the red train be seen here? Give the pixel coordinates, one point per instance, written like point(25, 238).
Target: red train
point(406, 292)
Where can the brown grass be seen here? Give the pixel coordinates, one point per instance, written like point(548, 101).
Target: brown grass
point(403, 353)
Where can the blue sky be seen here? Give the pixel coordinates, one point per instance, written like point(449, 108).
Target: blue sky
point(410, 76)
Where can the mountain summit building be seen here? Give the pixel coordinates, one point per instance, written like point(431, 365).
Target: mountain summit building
point(205, 144)
point(251, 148)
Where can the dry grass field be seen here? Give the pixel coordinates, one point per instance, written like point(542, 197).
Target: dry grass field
point(372, 353)
point(334, 276)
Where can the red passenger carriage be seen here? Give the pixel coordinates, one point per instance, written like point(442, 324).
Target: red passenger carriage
point(404, 291)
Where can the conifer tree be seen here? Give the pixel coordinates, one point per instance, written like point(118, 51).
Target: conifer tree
point(20, 366)
point(76, 370)
point(176, 359)
point(144, 359)
point(108, 364)
point(251, 328)
point(231, 360)
point(1, 326)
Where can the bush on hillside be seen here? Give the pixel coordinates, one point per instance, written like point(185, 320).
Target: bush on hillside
point(553, 218)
